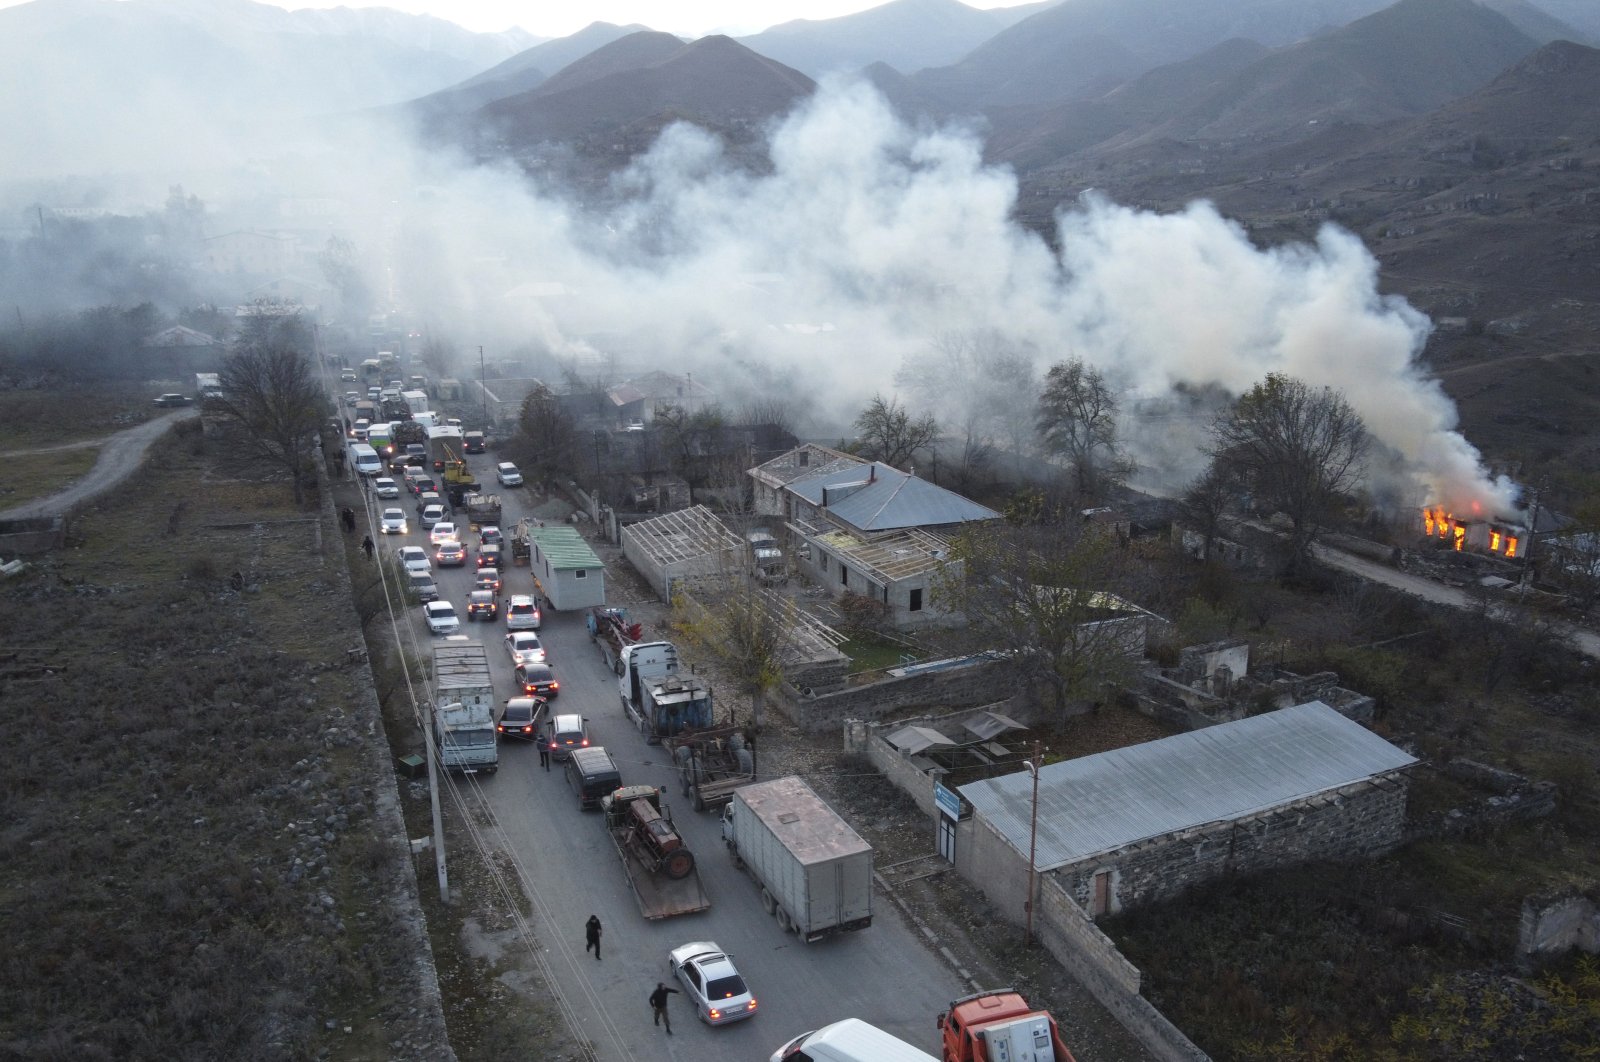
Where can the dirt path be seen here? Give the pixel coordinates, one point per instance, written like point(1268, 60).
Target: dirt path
point(120, 454)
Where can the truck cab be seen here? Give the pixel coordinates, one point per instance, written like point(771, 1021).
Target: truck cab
point(999, 1026)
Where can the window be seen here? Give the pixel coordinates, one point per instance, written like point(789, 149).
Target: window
point(844, 575)
point(822, 561)
point(581, 573)
point(916, 600)
point(805, 458)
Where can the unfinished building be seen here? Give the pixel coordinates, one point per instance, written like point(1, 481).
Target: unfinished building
point(687, 548)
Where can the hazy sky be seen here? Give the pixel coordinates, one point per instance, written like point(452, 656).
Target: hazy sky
point(683, 17)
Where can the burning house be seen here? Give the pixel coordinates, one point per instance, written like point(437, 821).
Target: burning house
point(1500, 536)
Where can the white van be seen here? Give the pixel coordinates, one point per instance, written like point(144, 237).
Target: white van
point(365, 459)
point(851, 1040)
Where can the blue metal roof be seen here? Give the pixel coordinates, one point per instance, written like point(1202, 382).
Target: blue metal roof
point(1101, 803)
point(880, 497)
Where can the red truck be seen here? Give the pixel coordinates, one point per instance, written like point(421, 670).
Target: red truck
point(1005, 1020)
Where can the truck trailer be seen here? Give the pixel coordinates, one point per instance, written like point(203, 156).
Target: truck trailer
point(463, 716)
point(815, 872)
point(661, 870)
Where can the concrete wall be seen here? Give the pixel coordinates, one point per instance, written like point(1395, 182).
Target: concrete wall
point(976, 684)
point(1552, 924)
point(29, 537)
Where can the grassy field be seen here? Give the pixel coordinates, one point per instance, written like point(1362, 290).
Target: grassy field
point(31, 419)
point(187, 864)
point(28, 476)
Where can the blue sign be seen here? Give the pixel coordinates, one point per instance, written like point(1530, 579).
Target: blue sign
point(948, 801)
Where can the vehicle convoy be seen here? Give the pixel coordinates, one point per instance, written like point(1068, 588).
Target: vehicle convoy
point(658, 694)
point(610, 630)
point(659, 866)
point(464, 712)
point(1000, 1026)
point(712, 763)
point(815, 872)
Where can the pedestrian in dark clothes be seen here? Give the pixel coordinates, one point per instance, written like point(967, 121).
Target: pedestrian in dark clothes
point(349, 518)
point(658, 1003)
point(591, 933)
point(544, 752)
point(366, 544)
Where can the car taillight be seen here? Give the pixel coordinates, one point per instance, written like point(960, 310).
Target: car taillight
point(752, 1005)
point(584, 742)
point(715, 1013)
point(555, 685)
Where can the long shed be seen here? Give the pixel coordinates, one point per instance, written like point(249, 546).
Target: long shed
point(565, 570)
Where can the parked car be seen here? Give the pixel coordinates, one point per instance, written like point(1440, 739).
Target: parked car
point(450, 554)
point(440, 530)
point(487, 579)
point(432, 515)
point(442, 618)
point(567, 732)
point(525, 648)
point(537, 680)
point(384, 487)
point(172, 399)
point(711, 982)
point(413, 559)
point(482, 604)
point(507, 474)
point(522, 613)
point(521, 718)
point(393, 522)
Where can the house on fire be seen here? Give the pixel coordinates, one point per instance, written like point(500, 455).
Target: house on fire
point(864, 527)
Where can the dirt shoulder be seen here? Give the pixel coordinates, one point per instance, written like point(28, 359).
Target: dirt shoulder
point(120, 454)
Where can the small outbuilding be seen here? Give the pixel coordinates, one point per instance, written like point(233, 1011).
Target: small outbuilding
point(565, 570)
point(682, 548)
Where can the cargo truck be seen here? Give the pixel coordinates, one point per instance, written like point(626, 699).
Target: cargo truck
point(815, 872)
point(1000, 1026)
point(463, 717)
point(712, 763)
point(660, 868)
point(658, 694)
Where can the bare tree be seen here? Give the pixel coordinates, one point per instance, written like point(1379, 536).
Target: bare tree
point(1045, 593)
point(268, 387)
point(1077, 421)
point(691, 442)
point(1300, 448)
point(886, 432)
point(978, 379)
point(1206, 502)
point(547, 440)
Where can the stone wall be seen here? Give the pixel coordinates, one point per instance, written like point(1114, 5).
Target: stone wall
point(1363, 819)
point(1514, 798)
point(32, 536)
point(1557, 922)
point(971, 685)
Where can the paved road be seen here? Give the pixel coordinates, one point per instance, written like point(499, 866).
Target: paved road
point(120, 454)
point(885, 974)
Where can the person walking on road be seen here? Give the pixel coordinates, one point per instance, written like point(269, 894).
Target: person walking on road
point(591, 933)
point(366, 544)
point(658, 1004)
point(544, 752)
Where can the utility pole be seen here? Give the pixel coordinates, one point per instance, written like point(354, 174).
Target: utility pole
point(1033, 766)
point(483, 388)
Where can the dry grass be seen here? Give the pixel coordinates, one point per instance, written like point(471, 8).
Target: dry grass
point(30, 419)
point(29, 476)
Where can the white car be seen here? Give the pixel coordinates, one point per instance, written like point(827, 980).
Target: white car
point(507, 474)
point(413, 559)
point(525, 648)
point(442, 531)
point(711, 982)
point(384, 487)
point(522, 613)
point(441, 617)
point(393, 522)
point(432, 515)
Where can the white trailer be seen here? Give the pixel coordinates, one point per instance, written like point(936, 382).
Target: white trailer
point(463, 718)
point(815, 872)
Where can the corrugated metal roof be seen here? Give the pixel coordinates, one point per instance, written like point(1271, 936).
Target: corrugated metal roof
point(915, 739)
point(886, 498)
point(564, 548)
point(1096, 804)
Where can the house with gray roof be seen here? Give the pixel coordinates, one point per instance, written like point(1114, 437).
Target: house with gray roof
point(866, 528)
point(1144, 823)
